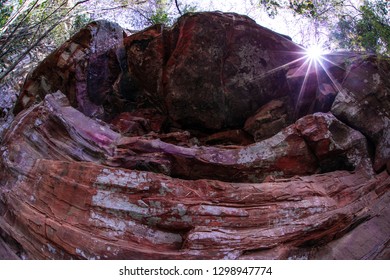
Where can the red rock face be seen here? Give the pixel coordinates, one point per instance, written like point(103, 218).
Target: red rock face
point(230, 69)
point(365, 105)
point(196, 142)
point(84, 68)
point(268, 120)
point(210, 71)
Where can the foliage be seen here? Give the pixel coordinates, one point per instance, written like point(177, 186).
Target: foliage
point(369, 30)
point(158, 12)
point(306, 8)
point(5, 12)
point(79, 21)
point(30, 28)
point(135, 15)
point(160, 17)
point(271, 6)
point(350, 26)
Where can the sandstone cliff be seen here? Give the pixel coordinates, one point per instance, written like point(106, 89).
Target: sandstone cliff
point(214, 139)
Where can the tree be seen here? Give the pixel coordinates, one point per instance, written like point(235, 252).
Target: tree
point(25, 30)
point(29, 29)
point(314, 14)
point(139, 14)
point(344, 23)
point(366, 30)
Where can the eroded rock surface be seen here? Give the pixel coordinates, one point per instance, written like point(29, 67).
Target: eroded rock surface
point(364, 103)
point(213, 139)
point(84, 68)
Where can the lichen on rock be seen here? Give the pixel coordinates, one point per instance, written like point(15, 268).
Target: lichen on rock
point(198, 141)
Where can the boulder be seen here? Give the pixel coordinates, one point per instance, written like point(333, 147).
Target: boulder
point(211, 70)
point(285, 154)
point(364, 103)
point(314, 83)
point(268, 120)
point(58, 162)
point(129, 125)
point(335, 145)
point(85, 68)
point(7, 253)
point(325, 95)
point(369, 239)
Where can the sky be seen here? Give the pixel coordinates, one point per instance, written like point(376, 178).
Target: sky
point(280, 24)
point(298, 29)
point(284, 22)
point(241, 7)
point(248, 7)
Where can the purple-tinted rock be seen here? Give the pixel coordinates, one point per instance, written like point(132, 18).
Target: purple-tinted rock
point(145, 155)
point(84, 68)
point(364, 103)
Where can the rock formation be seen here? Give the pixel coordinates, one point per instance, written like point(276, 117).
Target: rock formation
point(212, 139)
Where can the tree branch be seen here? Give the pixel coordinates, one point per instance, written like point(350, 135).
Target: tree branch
point(21, 9)
point(37, 42)
point(17, 26)
point(178, 8)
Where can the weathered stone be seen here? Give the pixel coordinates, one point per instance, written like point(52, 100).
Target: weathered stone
point(55, 130)
point(214, 79)
point(126, 124)
point(285, 154)
point(170, 173)
point(268, 120)
point(155, 119)
point(241, 74)
point(303, 84)
point(84, 68)
point(314, 83)
point(364, 103)
point(181, 138)
point(228, 137)
point(336, 145)
point(146, 55)
point(122, 214)
point(326, 93)
point(6, 253)
point(369, 240)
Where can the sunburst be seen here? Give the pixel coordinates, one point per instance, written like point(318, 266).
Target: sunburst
point(314, 53)
point(308, 62)
point(313, 62)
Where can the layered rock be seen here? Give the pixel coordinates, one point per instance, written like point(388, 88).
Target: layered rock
point(233, 70)
point(268, 120)
point(84, 68)
point(107, 213)
point(213, 139)
point(60, 191)
point(7, 101)
point(364, 103)
point(202, 80)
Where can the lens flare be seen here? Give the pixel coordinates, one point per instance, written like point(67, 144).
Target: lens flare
point(314, 53)
point(309, 64)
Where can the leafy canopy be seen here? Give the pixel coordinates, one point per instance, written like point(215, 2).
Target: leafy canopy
point(368, 30)
point(349, 24)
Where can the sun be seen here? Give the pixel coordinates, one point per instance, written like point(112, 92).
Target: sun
point(314, 53)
